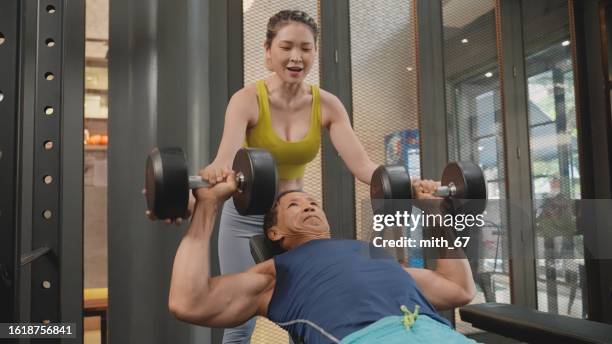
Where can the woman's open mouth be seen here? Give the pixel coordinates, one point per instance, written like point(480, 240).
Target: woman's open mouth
point(294, 71)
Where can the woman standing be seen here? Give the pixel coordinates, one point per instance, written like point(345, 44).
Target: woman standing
point(285, 116)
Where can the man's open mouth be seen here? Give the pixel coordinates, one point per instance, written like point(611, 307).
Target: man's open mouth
point(310, 216)
point(295, 69)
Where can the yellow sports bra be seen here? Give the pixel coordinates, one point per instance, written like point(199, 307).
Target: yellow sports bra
point(291, 157)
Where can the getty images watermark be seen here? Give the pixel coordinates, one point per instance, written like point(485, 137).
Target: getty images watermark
point(411, 221)
point(555, 227)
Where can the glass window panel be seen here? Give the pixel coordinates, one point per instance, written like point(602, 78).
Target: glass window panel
point(473, 108)
point(541, 104)
point(487, 155)
point(544, 149)
point(554, 157)
point(485, 113)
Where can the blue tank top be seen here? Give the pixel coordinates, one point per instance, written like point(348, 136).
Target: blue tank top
point(338, 287)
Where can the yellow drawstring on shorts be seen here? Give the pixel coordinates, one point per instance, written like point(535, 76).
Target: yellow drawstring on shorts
point(409, 317)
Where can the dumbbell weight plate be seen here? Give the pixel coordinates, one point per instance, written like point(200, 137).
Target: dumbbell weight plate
point(257, 191)
point(391, 190)
point(167, 183)
point(471, 190)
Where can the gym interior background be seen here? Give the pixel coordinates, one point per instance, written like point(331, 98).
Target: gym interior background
point(520, 87)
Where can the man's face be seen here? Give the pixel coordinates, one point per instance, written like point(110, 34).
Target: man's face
point(299, 219)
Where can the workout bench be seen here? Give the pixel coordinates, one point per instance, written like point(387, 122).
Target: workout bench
point(532, 326)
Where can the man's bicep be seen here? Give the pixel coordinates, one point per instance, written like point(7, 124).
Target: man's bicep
point(232, 300)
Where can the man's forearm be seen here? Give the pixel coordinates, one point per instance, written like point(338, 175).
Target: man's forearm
point(453, 264)
point(459, 272)
point(191, 270)
point(451, 283)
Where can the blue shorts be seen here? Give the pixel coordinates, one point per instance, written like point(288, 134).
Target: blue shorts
point(391, 330)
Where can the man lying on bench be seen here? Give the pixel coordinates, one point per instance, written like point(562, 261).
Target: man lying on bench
point(321, 290)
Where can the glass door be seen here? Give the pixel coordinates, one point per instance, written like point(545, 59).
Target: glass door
point(554, 167)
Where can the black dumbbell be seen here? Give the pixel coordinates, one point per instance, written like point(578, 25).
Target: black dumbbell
point(463, 186)
point(168, 183)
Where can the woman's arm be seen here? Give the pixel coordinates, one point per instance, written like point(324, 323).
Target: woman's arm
point(336, 120)
point(241, 112)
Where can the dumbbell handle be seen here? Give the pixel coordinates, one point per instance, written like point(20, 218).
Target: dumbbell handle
point(445, 191)
point(196, 182)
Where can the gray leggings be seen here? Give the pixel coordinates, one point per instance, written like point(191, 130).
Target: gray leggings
point(235, 256)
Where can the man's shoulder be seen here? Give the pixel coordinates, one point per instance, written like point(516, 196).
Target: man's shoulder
point(338, 245)
point(324, 244)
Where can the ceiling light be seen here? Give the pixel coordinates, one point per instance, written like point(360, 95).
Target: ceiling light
point(409, 69)
point(565, 43)
point(488, 74)
point(464, 41)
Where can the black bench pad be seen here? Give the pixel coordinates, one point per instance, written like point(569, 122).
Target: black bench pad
point(261, 249)
point(526, 324)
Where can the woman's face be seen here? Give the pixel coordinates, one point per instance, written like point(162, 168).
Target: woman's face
point(292, 52)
